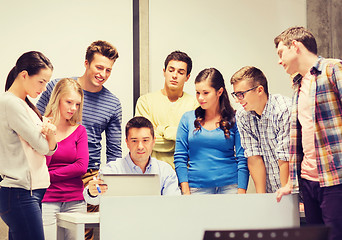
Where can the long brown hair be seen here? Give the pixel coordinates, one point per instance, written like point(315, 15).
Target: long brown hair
point(227, 112)
point(32, 62)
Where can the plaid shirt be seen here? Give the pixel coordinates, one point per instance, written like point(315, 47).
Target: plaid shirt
point(326, 92)
point(267, 136)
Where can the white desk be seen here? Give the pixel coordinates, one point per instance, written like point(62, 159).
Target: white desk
point(156, 217)
point(76, 222)
point(187, 217)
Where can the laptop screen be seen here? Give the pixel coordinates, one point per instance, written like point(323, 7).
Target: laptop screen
point(131, 184)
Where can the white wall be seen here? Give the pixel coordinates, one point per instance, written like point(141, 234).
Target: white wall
point(63, 30)
point(225, 34)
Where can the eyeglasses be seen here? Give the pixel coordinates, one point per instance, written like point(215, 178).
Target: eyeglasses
point(241, 95)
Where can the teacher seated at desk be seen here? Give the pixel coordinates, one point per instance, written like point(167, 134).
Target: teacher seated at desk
point(140, 140)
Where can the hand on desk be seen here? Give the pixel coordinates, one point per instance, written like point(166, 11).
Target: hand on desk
point(94, 185)
point(185, 188)
point(283, 191)
point(241, 191)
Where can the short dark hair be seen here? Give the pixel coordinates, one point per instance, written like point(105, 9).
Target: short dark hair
point(299, 34)
point(139, 122)
point(252, 74)
point(179, 56)
point(102, 47)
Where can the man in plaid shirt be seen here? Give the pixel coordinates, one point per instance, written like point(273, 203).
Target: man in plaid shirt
point(316, 128)
point(264, 126)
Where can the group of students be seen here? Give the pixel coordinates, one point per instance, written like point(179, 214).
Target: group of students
point(285, 146)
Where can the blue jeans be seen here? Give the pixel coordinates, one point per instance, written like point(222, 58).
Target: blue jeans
point(22, 213)
point(228, 189)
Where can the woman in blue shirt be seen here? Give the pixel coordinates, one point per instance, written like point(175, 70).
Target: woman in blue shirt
point(209, 158)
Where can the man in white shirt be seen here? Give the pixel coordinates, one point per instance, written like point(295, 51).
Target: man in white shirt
point(140, 140)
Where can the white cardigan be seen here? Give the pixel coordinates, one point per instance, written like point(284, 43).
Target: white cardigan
point(22, 145)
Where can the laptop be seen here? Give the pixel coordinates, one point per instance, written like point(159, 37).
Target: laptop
point(131, 184)
point(319, 232)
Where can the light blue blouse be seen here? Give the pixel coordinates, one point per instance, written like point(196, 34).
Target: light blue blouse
point(206, 158)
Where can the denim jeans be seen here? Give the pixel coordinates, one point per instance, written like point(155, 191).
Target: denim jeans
point(50, 209)
point(21, 211)
point(228, 189)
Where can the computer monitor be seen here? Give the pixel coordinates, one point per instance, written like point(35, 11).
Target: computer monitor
point(300, 233)
point(131, 184)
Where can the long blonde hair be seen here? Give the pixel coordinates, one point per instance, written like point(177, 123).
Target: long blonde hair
point(64, 86)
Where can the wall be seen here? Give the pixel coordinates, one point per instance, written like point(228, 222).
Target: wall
point(224, 34)
point(63, 30)
point(325, 21)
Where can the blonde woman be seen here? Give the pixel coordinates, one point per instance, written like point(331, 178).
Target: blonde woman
point(70, 161)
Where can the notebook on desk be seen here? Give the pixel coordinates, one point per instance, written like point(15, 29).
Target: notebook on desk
point(131, 184)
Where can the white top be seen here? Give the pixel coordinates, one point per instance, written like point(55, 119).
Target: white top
point(22, 145)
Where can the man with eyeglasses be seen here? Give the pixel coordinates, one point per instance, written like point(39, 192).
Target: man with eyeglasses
point(264, 126)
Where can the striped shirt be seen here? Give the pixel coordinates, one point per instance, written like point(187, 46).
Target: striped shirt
point(101, 112)
point(325, 95)
point(267, 136)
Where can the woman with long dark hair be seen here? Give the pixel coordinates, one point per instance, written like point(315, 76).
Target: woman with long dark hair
point(25, 138)
point(209, 158)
